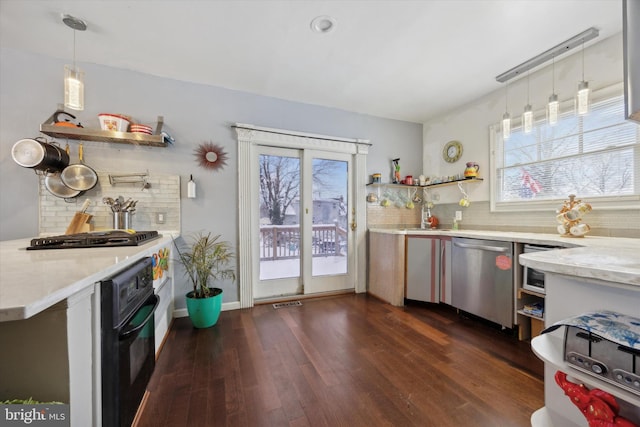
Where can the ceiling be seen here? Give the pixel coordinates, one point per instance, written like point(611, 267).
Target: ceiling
point(406, 60)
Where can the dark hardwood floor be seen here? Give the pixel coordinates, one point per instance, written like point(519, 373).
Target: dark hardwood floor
point(343, 361)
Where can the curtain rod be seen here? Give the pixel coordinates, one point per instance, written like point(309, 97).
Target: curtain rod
point(567, 45)
point(303, 134)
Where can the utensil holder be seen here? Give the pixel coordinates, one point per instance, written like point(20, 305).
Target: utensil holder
point(121, 220)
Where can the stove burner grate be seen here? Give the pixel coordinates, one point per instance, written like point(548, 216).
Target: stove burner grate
point(96, 239)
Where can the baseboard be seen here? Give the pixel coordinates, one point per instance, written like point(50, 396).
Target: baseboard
point(182, 312)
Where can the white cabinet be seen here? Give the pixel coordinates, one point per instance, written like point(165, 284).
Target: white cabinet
point(422, 276)
point(53, 355)
point(566, 297)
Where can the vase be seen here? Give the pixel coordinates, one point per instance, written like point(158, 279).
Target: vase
point(204, 312)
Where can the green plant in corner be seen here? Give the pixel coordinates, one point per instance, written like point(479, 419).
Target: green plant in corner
point(207, 258)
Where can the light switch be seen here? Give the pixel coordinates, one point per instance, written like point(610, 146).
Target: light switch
point(458, 215)
point(160, 217)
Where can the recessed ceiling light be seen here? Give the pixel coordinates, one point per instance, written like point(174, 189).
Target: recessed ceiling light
point(323, 24)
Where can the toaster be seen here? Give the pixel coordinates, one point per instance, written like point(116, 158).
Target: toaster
point(604, 344)
point(598, 356)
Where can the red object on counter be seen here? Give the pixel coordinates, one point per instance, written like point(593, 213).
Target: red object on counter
point(599, 407)
point(433, 222)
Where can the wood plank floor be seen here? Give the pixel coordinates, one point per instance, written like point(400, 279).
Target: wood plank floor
point(349, 360)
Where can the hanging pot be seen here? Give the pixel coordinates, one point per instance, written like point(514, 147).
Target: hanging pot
point(79, 176)
point(53, 183)
point(39, 155)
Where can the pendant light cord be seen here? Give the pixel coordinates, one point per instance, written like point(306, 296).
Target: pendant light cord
point(528, 87)
point(506, 97)
point(553, 75)
point(582, 59)
point(74, 50)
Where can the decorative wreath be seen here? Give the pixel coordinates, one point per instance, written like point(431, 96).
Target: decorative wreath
point(211, 156)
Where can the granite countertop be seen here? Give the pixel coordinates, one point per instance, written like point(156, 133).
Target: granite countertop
point(32, 281)
point(608, 259)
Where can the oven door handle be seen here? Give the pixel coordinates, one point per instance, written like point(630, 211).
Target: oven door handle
point(126, 333)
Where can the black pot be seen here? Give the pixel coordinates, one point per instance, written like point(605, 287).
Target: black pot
point(39, 155)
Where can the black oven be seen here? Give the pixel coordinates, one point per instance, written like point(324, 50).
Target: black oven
point(128, 304)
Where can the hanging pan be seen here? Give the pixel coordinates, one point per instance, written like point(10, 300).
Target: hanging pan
point(53, 183)
point(79, 176)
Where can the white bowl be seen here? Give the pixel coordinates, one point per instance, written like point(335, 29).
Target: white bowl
point(113, 122)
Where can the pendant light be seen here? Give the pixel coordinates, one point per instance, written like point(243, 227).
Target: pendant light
point(74, 76)
point(527, 116)
point(553, 106)
point(506, 118)
point(582, 100)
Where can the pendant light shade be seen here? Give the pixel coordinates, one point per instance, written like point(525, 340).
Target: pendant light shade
point(527, 119)
point(73, 88)
point(506, 126)
point(582, 100)
point(74, 76)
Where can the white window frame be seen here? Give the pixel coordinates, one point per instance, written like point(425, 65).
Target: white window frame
point(603, 202)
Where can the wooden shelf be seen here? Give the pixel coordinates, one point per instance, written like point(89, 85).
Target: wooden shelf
point(533, 316)
point(527, 291)
point(442, 184)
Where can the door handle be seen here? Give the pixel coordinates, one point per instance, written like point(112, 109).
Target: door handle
point(354, 225)
point(481, 247)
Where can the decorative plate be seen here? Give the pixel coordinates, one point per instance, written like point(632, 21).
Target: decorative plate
point(452, 151)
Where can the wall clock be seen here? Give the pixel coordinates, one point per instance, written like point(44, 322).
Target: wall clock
point(452, 151)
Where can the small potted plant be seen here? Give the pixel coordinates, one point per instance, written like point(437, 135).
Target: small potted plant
point(205, 260)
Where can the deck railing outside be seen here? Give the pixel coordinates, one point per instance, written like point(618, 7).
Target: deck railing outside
point(283, 241)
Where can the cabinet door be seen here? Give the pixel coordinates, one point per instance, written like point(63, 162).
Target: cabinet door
point(445, 270)
point(423, 269)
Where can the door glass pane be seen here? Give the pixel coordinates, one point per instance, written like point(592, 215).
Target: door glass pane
point(330, 216)
point(279, 217)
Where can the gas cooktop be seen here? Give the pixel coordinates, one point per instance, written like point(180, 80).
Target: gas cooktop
point(94, 239)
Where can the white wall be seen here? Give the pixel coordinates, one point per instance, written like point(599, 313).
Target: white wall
point(470, 123)
point(31, 88)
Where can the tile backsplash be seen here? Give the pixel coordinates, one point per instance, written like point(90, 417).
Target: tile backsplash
point(162, 197)
point(609, 223)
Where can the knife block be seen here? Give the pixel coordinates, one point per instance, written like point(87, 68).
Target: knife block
point(79, 223)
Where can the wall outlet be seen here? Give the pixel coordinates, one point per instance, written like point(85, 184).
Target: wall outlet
point(161, 217)
point(458, 215)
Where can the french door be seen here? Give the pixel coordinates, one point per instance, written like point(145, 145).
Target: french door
point(303, 222)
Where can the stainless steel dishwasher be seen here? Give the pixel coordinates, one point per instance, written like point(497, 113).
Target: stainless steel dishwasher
point(482, 279)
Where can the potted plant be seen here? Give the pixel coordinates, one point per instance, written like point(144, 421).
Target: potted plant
point(205, 260)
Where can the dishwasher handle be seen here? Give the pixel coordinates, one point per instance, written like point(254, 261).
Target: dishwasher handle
point(482, 247)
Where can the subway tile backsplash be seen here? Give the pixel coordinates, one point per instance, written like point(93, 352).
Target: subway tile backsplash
point(608, 223)
point(162, 197)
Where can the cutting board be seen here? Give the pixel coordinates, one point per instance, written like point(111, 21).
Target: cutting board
point(79, 223)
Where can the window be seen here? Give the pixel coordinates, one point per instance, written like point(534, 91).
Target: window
point(592, 156)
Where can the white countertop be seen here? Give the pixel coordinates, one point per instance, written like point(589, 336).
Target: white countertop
point(610, 259)
point(32, 281)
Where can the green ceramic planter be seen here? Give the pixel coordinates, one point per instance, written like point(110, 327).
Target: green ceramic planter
point(204, 312)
